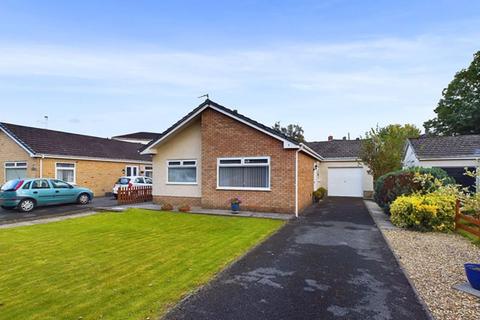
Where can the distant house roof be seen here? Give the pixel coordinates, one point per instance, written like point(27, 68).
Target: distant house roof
point(466, 146)
point(337, 149)
point(139, 136)
point(49, 142)
point(234, 114)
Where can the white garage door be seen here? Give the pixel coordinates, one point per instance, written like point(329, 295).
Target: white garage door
point(345, 182)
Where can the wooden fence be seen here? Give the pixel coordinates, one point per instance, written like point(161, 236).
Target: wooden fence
point(138, 194)
point(466, 223)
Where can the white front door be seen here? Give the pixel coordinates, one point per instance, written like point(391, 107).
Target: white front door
point(345, 182)
point(131, 171)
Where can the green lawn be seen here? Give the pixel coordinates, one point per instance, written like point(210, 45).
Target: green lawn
point(129, 265)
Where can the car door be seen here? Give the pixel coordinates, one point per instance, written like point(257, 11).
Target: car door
point(42, 192)
point(64, 193)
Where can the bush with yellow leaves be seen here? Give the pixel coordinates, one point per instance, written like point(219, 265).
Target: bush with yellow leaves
point(430, 212)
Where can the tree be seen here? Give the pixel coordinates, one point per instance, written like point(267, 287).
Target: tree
point(458, 112)
point(382, 149)
point(293, 131)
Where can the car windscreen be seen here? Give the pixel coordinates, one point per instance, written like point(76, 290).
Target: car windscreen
point(10, 185)
point(123, 181)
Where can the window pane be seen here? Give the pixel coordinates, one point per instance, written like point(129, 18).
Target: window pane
point(21, 164)
point(57, 184)
point(65, 165)
point(188, 163)
point(65, 175)
point(40, 184)
point(182, 175)
point(231, 161)
point(148, 173)
point(15, 173)
point(174, 163)
point(230, 177)
point(9, 164)
point(256, 177)
point(256, 161)
point(243, 177)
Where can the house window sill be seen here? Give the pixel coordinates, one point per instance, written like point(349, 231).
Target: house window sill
point(243, 189)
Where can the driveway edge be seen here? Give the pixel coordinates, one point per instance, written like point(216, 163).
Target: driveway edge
point(221, 272)
point(384, 224)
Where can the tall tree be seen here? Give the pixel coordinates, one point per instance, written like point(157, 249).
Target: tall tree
point(293, 131)
point(458, 112)
point(382, 149)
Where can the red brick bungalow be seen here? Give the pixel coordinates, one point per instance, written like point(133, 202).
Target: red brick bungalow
point(214, 153)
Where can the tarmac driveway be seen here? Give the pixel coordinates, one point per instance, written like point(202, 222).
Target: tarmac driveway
point(11, 216)
point(331, 264)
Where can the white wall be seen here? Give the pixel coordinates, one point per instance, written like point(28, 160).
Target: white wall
point(185, 145)
point(324, 165)
point(410, 160)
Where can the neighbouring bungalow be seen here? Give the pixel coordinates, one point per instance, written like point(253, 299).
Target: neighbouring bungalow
point(214, 154)
point(453, 154)
point(341, 172)
point(92, 162)
point(137, 137)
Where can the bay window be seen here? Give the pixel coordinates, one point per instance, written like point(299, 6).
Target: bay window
point(182, 171)
point(252, 173)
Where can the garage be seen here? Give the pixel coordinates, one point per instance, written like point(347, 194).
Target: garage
point(345, 182)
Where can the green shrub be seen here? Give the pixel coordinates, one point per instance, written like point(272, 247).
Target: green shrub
point(319, 193)
point(431, 212)
point(394, 184)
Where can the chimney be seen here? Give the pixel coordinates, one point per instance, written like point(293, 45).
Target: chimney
point(344, 138)
point(330, 138)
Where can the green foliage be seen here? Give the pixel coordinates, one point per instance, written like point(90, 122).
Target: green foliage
point(431, 212)
point(133, 265)
point(458, 112)
point(403, 182)
point(382, 149)
point(319, 193)
point(293, 131)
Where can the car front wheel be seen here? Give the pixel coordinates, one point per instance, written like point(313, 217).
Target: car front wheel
point(26, 205)
point(83, 199)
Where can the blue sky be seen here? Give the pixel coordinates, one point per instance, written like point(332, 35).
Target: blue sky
point(335, 67)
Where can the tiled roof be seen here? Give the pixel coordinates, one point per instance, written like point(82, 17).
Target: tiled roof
point(337, 148)
point(228, 111)
point(139, 136)
point(447, 146)
point(44, 141)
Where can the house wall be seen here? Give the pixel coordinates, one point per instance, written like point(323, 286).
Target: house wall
point(305, 180)
point(367, 178)
point(223, 136)
point(410, 160)
point(99, 176)
point(11, 151)
point(186, 145)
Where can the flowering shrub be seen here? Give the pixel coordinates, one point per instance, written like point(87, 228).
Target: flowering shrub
point(431, 212)
point(405, 182)
point(319, 193)
point(235, 200)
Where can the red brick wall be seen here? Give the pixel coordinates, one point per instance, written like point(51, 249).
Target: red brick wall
point(305, 180)
point(177, 201)
point(223, 136)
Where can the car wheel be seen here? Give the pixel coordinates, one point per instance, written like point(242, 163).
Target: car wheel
point(26, 205)
point(83, 198)
point(8, 208)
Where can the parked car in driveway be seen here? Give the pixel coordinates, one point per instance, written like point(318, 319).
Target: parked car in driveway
point(134, 181)
point(26, 194)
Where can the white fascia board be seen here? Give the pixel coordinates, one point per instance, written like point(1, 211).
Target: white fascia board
point(311, 152)
point(17, 142)
point(286, 143)
point(450, 158)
